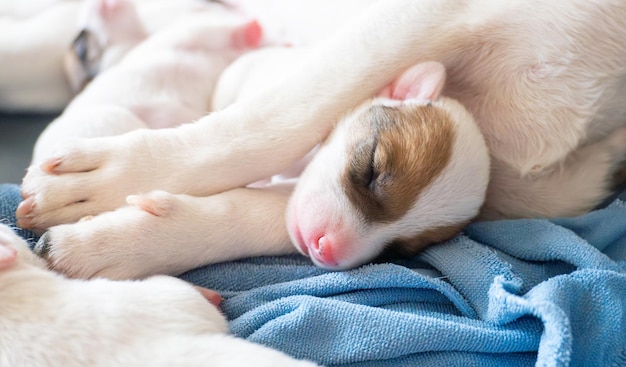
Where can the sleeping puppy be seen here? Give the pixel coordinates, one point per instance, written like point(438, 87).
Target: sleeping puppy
point(48, 320)
point(149, 82)
point(34, 38)
point(543, 83)
point(108, 30)
point(368, 184)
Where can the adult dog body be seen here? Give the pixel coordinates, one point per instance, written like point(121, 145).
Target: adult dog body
point(544, 81)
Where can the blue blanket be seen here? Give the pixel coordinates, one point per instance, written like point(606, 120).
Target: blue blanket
point(507, 293)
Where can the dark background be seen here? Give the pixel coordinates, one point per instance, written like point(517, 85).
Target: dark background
point(18, 133)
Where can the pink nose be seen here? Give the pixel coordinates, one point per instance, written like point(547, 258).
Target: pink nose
point(322, 251)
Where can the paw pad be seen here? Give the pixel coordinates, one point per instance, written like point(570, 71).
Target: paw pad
point(156, 203)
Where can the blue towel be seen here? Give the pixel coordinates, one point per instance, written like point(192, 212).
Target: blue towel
point(506, 293)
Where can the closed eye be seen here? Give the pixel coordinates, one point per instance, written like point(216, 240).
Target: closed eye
point(372, 173)
point(362, 169)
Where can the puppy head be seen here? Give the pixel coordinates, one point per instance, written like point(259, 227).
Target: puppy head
point(402, 171)
point(108, 30)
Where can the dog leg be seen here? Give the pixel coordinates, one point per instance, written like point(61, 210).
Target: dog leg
point(161, 233)
point(275, 128)
point(579, 184)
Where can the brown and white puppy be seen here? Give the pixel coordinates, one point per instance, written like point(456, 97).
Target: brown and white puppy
point(404, 170)
point(49, 320)
point(543, 81)
point(400, 173)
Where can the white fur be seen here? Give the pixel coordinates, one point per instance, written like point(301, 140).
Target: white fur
point(164, 81)
point(300, 22)
point(544, 82)
point(31, 50)
point(34, 36)
point(49, 320)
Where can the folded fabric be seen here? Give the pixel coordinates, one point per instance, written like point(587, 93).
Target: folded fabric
point(10, 197)
point(505, 293)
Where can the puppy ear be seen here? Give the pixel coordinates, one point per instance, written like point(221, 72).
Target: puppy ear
point(8, 255)
point(423, 81)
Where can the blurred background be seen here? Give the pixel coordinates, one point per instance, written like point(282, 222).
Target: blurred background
point(18, 133)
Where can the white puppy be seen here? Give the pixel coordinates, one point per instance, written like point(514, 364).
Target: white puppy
point(544, 83)
point(35, 34)
point(165, 81)
point(48, 320)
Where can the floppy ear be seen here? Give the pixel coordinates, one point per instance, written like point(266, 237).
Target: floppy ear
point(8, 255)
point(423, 81)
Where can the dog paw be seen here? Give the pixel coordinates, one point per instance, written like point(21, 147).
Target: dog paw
point(84, 177)
point(131, 242)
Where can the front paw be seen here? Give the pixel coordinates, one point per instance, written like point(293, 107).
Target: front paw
point(84, 251)
point(85, 177)
point(132, 242)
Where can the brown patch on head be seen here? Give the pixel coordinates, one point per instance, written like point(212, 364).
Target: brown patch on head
point(397, 152)
point(407, 247)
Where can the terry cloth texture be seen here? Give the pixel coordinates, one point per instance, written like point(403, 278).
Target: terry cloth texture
point(10, 197)
point(504, 293)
